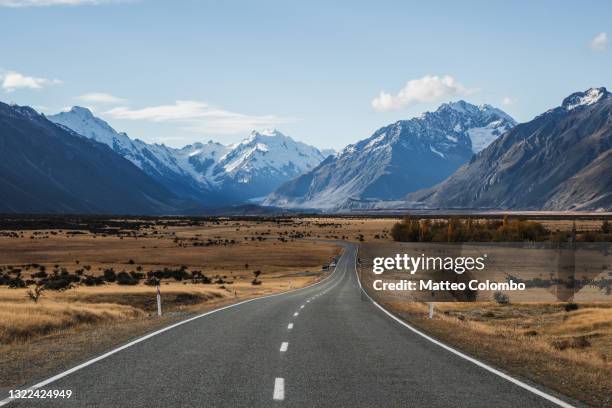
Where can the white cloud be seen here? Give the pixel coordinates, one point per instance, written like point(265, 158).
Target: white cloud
point(15, 80)
point(44, 3)
point(507, 100)
point(599, 42)
point(427, 89)
point(100, 97)
point(200, 117)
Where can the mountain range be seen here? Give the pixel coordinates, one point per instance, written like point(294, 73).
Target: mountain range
point(560, 160)
point(458, 156)
point(47, 169)
point(397, 159)
point(209, 173)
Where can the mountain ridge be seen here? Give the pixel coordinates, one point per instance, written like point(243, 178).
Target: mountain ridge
point(45, 168)
point(210, 173)
point(560, 160)
point(398, 158)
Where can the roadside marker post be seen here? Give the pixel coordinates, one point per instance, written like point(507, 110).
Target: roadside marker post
point(159, 309)
point(431, 310)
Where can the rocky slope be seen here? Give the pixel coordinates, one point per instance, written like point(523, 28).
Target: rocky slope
point(561, 160)
point(397, 159)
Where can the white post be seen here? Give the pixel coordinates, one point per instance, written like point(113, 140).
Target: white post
point(159, 309)
point(431, 310)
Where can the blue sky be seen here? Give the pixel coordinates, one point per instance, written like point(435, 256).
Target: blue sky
point(183, 71)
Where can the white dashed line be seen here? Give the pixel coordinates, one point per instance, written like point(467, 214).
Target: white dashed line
point(279, 389)
point(284, 346)
point(290, 326)
point(295, 314)
point(301, 307)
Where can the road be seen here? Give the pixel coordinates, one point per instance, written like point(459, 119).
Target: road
point(323, 346)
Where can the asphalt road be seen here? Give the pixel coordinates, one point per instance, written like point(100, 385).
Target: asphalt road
point(322, 346)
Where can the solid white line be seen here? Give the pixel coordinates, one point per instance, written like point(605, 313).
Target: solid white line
point(296, 314)
point(155, 333)
point(279, 389)
point(495, 371)
point(284, 346)
point(290, 326)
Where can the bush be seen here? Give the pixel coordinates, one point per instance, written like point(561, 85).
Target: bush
point(137, 275)
point(93, 280)
point(152, 281)
point(124, 278)
point(570, 306)
point(501, 298)
point(15, 283)
point(40, 274)
point(57, 283)
point(110, 275)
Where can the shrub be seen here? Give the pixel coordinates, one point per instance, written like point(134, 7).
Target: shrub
point(501, 298)
point(152, 281)
point(570, 306)
point(40, 274)
point(124, 278)
point(93, 280)
point(110, 275)
point(35, 294)
point(57, 283)
point(137, 275)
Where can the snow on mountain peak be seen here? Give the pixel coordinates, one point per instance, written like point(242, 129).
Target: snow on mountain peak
point(588, 97)
point(81, 111)
point(268, 156)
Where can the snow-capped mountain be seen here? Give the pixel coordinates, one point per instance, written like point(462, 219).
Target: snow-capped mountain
point(45, 168)
point(397, 159)
point(561, 160)
point(210, 173)
point(263, 160)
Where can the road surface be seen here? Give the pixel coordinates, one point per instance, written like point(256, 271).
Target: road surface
point(323, 346)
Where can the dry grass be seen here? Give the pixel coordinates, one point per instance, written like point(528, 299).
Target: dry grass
point(67, 326)
point(21, 322)
point(569, 352)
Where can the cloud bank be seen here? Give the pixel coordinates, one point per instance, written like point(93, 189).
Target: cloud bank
point(429, 88)
point(11, 81)
point(599, 42)
point(198, 117)
point(100, 97)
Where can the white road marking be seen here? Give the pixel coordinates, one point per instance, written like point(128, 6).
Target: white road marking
point(308, 301)
point(284, 346)
point(296, 313)
point(301, 307)
point(495, 371)
point(155, 333)
point(290, 326)
point(279, 389)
